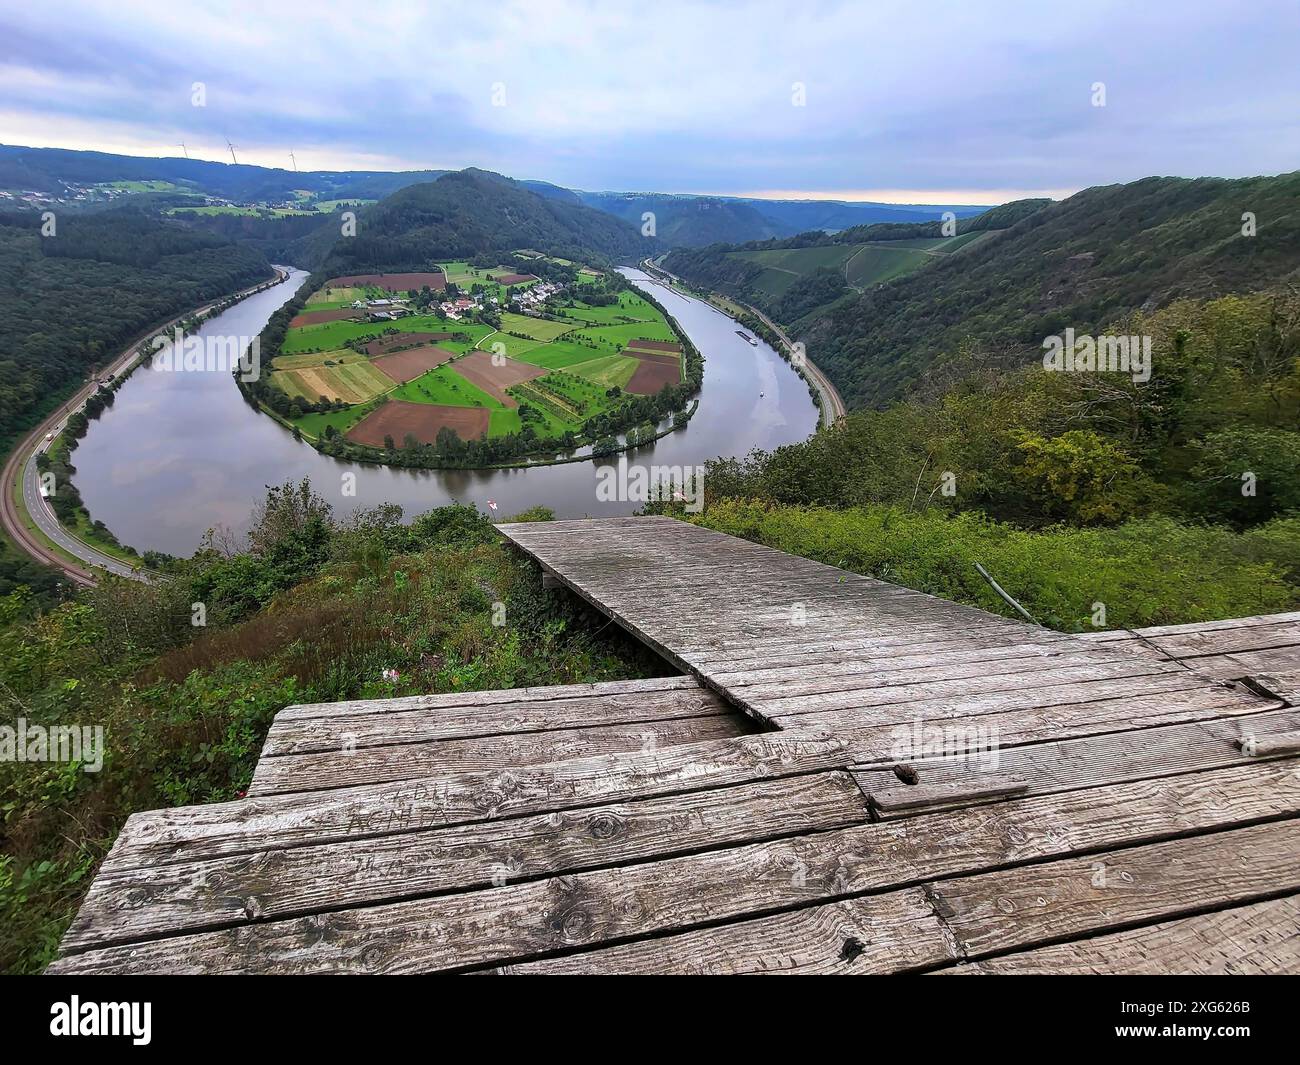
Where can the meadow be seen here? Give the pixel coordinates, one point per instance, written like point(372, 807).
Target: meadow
point(330, 336)
point(861, 265)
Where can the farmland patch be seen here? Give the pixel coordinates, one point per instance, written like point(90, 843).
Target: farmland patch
point(423, 421)
point(479, 369)
point(407, 365)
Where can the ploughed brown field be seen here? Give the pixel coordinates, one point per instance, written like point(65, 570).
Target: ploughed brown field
point(384, 345)
point(653, 356)
point(316, 317)
point(651, 374)
point(513, 279)
point(403, 366)
point(390, 282)
point(422, 420)
point(654, 345)
point(478, 369)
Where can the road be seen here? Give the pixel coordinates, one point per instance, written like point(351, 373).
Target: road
point(22, 462)
point(832, 406)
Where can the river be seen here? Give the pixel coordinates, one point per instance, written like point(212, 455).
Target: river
point(180, 453)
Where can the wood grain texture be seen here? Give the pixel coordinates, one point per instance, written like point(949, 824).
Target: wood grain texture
point(347, 767)
point(1089, 762)
point(169, 899)
point(513, 922)
point(994, 912)
point(190, 833)
point(410, 722)
point(1261, 939)
point(891, 933)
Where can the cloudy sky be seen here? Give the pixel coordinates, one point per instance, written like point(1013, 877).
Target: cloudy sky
point(905, 100)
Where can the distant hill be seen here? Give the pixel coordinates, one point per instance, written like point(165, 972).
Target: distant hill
point(1082, 262)
point(681, 220)
point(51, 170)
point(697, 221)
point(472, 213)
point(795, 279)
point(686, 221)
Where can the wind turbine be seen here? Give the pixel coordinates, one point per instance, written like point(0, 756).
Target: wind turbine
point(185, 150)
point(295, 161)
point(232, 151)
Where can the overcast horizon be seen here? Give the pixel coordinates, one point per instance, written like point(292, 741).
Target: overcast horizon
point(891, 101)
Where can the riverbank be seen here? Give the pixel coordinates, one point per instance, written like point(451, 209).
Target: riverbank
point(179, 454)
point(826, 395)
point(29, 524)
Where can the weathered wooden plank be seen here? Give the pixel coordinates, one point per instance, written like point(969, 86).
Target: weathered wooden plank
point(806, 652)
point(883, 684)
point(749, 589)
point(402, 761)
point(514, 922)
point(191, 833)
point(1261, 939)
point(882, 705)
point(1277, 637)
point(652, 689)
point(1285, 684)
point(1261, 739)
point(902, 799)
point(374, 728)
point(146, 902)
point(1194, 627)
point(1089, 762)
point(849, 662)
point(994, 912)
point(349, 766)
point(1246, 663)
point(895, 932)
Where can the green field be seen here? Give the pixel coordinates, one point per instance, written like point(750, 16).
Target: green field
point(353, 382)
point(629, 307)
point(581, 373)
point(333, 205)
point(328, 298)
point(314, 424)
point(610, 338)
point(557, 354)
point(277, 212)
point(443, 385)
point(607, 371)
point(146, 186)
point(515, 347)
point(537, 328)
point(862, 265)
point(327, 336)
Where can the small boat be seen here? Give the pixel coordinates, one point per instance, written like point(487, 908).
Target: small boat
point(746, 337)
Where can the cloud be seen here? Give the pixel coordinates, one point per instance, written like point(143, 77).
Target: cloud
point(674, 96)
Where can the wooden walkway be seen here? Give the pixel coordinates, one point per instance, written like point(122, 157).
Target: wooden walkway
point(851, 777)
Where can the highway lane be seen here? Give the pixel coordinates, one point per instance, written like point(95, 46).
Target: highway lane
point(38, 508)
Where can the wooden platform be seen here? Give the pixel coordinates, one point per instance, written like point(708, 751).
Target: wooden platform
point(851, 777)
